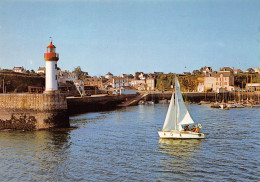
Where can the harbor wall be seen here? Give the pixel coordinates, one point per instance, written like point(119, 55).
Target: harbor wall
point(77, 105)
point(33, 111)
point(199, 96)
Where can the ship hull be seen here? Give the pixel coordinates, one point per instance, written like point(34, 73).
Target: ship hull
point(176, 134)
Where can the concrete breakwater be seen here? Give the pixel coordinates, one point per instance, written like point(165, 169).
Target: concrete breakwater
point(77, 105)
point(33, 111)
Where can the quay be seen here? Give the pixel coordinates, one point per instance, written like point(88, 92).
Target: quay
point(43, 111)
point(33, 111)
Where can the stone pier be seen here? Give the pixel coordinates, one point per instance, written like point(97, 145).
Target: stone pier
point(33, 111)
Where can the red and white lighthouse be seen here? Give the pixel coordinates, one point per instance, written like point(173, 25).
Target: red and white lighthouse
point(51, 58)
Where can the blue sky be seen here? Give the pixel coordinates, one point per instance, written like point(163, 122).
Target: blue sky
point(123, 36)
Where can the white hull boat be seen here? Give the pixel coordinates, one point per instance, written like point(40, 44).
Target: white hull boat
point(178, 116)
point(176, 134)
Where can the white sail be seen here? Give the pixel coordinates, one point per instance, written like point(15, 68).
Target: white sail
point(170, 120)
point(183, 115)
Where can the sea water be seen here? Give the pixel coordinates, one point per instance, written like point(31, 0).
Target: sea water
point(123, 145)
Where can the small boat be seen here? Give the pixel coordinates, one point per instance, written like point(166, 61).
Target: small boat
point(163, 101)
point(222, 105)
point(150, 102)
point(141, 102)
point(231, 106)
point(239, 106)
point(204, 102)
point(215, 105)
point(178, 116)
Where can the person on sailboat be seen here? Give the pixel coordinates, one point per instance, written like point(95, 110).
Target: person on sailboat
point(188, 128)
point(185, 127)
point(197, 130)
point(193, 128)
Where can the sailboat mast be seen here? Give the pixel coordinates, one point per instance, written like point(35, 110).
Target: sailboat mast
point(175, 102)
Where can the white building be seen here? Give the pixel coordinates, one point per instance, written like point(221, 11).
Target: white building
point(109, 75)
point(41, 70)
point(200, 87)
point(126, 90)
point(257, 70)
point(150, 82)
point(19, 69)
point(118, 82)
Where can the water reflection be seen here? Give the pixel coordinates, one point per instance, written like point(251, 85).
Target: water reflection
point(40, 152)
point(180, 159)
point(179, 148)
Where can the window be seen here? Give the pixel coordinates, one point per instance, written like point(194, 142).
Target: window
point(56, 66)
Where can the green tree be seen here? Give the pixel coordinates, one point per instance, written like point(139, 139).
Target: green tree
point(81, 74)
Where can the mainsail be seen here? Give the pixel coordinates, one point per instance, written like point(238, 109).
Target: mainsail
point(177, 114)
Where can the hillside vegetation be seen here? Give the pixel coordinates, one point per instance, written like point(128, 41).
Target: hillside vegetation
point(19, 82)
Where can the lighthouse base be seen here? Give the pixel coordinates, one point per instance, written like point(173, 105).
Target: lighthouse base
point(51, 92)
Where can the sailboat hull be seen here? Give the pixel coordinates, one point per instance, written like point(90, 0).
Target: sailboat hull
point(176, 134)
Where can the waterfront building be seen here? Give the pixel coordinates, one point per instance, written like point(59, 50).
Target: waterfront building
point(209, 81)
point(142, 76)
point(224, 79)
point(237, 71)
point(257, 70)
point(129, 76)
point(108, 84)
point(19, 69)
point(94, 82)
point(138, 84)
point(200, 87)
point(127, 90)
point(206, 70)
point(109, 75)
point(150, 82)
point(118, 82)
point(41, 70)
point(253, 87)
point(226, 69)
point(51, 58)
point(250, 70)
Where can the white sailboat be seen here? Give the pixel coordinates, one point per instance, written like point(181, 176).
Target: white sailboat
point(176, 117)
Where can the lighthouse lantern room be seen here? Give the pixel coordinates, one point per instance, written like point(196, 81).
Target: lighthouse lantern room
point(51, 58)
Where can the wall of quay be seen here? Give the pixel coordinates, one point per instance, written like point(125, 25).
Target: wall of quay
point(78, 105)
point(209, 96)
point(33, 111)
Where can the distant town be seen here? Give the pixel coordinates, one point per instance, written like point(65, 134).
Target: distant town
point(80, 83)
